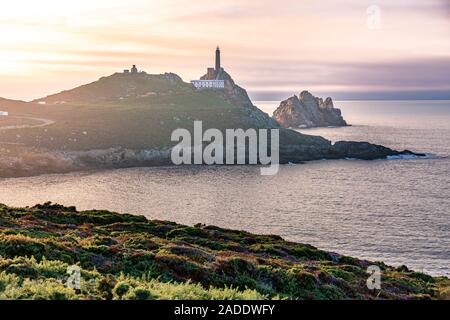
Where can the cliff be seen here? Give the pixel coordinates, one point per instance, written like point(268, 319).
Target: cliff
point(308, 111)
point(239, 96)
point(124, 256)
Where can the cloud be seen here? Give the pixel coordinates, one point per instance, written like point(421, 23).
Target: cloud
point(432, 74)
point(445, 4)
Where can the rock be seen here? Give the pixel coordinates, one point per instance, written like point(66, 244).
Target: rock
point(361, 150)
point(173, 78)
point(239, 97)
point(296, 148)
point(308, 111)
point(367, 151)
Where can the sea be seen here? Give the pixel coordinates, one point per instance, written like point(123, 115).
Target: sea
point(396, 210)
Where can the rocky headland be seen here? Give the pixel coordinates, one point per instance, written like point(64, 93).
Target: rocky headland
point(126, 120)
point(307, 111)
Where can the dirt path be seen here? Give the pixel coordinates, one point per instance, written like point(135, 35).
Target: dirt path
point(43, 123)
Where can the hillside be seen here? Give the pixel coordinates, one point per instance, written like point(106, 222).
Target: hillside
point(128, 257)
point(130, 111)
point(120, 86)
point(4, 101)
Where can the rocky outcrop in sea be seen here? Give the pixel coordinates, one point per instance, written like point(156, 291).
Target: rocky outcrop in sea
point(306, 111)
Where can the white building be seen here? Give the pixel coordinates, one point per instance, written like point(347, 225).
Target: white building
point(214, 84)
point(3, 113)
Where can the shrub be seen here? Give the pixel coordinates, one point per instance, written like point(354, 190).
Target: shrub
point(106, 285)
point(235, 266)
point(306, 280)
point(35, 290)
point(187, 231)
point(18, 245)
point(121, 289)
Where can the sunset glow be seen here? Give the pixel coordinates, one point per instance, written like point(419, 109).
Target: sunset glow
point(282, 46)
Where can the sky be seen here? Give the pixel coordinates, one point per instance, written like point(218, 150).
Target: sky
point(347, 49)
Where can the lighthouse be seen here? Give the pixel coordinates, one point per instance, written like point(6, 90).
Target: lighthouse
point(213, 78)
point(217, 60)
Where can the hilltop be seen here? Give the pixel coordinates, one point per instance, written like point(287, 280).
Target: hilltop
point(120, 86)
point(125, 256)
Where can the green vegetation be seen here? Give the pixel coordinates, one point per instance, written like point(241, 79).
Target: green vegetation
point(125, 256)
point(125, 111)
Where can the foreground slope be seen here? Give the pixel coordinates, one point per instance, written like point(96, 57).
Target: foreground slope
point(129, 257)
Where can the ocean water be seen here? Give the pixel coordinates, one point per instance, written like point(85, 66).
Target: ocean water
point(396, 211)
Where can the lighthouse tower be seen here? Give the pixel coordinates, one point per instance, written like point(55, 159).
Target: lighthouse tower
point(213, 79)
point(218, 69)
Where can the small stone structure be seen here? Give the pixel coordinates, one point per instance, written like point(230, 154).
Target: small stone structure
point(133, 70)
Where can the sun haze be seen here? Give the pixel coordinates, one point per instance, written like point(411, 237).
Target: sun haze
point(346, 48)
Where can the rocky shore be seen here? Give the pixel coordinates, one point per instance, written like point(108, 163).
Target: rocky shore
point(20, 161)
point(123, 256)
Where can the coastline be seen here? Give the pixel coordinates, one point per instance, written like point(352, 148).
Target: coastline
point(22, 161)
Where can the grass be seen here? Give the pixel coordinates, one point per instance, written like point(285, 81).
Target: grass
point(129, 257)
